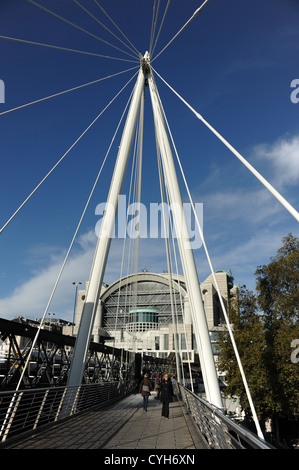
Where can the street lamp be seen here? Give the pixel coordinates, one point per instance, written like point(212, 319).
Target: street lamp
point(50, 314)
point(50, 327)
point(76, 284)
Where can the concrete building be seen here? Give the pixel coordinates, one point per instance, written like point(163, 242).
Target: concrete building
point(138, 313)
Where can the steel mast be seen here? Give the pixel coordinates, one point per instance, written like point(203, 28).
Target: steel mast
point(102, 250)
point(188, 264)
point(104, 240)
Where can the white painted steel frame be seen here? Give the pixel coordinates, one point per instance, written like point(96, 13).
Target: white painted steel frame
point(102, 250)
point(188, 264)
point(104, 241)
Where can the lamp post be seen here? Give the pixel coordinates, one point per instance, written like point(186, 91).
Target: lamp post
point(50, 315)
point(76, 284)
point(50, 327)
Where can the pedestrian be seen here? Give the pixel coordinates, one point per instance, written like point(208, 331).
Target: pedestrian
point(166, 394)
point(157, 386)
point(145, 390)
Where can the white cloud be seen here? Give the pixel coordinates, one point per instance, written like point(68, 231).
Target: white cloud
point(30, 298)
point(283, 156)
point(247, 222)
point(252, 251)
point(243, 222)
point(252, 206)
point(243, 256)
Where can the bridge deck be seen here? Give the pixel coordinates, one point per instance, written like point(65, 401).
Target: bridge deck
point(122, 425)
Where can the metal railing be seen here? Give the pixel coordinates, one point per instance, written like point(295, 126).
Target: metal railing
point(219, 431)
point(25, 410)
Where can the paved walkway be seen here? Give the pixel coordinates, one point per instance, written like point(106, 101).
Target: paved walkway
point(122, 425)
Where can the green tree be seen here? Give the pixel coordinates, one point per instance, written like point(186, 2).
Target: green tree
point(278, 284)
point(249, 336)
point(264, 325)
point(278, 298)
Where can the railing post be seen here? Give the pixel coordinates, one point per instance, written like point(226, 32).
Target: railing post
point(60, 404)
point(75, 401)
point(41, 409)
point(10, 415)
point(217, 429)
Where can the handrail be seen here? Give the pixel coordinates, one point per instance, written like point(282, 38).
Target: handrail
point(24, 410)
point(218, 430)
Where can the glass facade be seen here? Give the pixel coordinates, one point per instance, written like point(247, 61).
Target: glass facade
point(183, 341)
point(142, 302)
point(143, 315)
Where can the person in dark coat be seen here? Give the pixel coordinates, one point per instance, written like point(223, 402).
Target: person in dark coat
point(145, 390)
point(157, 386)
point(166, 394)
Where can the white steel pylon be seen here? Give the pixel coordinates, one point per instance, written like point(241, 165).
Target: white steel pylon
point(104, 240)
point(102, 250)
point(187, 259)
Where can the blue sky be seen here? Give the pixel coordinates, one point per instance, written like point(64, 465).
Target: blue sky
point(234, 64)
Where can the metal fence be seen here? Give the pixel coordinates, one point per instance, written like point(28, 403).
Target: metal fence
point(26, 410)
point(219, 431)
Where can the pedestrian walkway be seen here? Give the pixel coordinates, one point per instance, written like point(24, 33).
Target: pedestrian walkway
point(122, 425)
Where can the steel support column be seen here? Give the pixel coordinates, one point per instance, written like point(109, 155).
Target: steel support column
point(197, 309)
point(104, 241)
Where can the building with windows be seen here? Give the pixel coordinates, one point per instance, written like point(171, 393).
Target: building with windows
point(150, 313)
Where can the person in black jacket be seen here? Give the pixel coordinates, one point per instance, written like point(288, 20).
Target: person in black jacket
point(166, 394)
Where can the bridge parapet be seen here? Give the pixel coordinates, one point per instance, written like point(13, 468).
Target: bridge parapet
point(24, 411)
point(219, 431)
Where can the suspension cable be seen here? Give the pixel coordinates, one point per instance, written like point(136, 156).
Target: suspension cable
point(275, 193)
point(186, 280)
point(71, 245)
point(105, 27)
point(162, 22)
point(219, 294)
point(139, 178)
point(173, 305)
point(225, 314)
point(124, 244)
point(171, 231)
point(34, 43)
point(65, 91)
point(116, 25)
point(154, 24)
point(169, 268)
point(183, 27)
point(131, 255)
point(63, 156)
point(181, 304)
point(77, 26)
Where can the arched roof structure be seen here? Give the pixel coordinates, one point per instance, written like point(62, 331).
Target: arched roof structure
point(178, 282)
point(142, 298)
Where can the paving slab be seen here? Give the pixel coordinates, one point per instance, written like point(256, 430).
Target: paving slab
point(122, 425)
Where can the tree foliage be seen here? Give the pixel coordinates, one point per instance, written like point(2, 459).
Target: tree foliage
point(264, 324)
point(278, 285)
